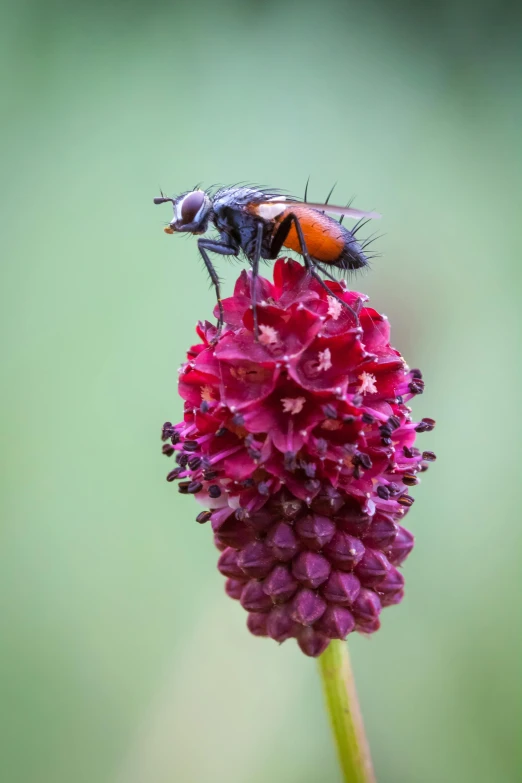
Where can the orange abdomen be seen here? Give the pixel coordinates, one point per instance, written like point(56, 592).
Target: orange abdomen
point(325, 238)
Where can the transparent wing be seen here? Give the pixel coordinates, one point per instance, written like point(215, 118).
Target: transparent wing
point(357, 214)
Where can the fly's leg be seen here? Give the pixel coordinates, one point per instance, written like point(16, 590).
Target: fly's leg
point(223, 250)
point(255, 272)
point(277, 243)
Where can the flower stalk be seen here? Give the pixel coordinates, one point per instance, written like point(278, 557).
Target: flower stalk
point(345, 714)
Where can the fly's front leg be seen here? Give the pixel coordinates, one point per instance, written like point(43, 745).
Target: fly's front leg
point(277, 243)
point(223, 250)
point(255, 272)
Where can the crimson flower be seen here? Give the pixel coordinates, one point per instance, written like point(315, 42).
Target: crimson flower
point(300, 446)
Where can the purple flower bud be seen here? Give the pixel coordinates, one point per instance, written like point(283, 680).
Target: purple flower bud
point(401, 547)
point(260, 520)
point(315, 531)
point(390, 599)
point(312, 642)
point(341, 588)
point(280, 624)
point(337, 622)
point(285, 505)
point(382, 533)
point(367, 606)
point(256, 559)
point(234, 588)
point(228, 564)
point(368, 626)
point(256, 623)
point(327, 502)
point(391, 585)
point(344, 551)
point(253, 597)
point(311, 569)
point(373, 568)
point(282, 541)
point(307, 607)
point(280, 584)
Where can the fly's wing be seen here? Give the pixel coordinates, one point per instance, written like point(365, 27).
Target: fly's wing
point(356, 214)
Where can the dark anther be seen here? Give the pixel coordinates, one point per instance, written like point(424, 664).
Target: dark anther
point(383, 492)
point(183, 487)
point(167, 430)
point(357, 400)
point(416, 374)
point(290, 462)
point(410, 479)
point(174, 474)
point(221, 431)
point(329, 411)
point(203, 517)
point(400, 399)
point(262, 488)
point(214, 491)
point(429, 456)
point(254, 454)
point(309, 468)
point(394, 488)
point(394, 422)
point(426, 425)
point(194, 487)
point(208, 475)
point(182, 459)
point(367, 418)
point(238, 420)
point(423, 467)
point(350, 419)
point(312, 485)
point(408, 452)
point(386, 441)
point(190, 445)
point(416, 386)
point(175, 438)
point(406, 500)
point(194, 463)
point(248, 483)
point(204, 407)
point(357, 472)
point(321, 446)
point(167, 449)
point(362, 459)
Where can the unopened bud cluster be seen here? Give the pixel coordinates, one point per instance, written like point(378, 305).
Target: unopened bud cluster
point(301, 448)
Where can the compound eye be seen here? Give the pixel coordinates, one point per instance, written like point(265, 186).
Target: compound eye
point(191, 205)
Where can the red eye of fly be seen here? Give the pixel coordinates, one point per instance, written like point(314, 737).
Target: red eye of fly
point(191, 205)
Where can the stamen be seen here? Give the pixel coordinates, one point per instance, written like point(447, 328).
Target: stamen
point(324, 360)
point(293, 405)
point(334, 307)
point(268, 335)
point(368, 383)
point(207, 393)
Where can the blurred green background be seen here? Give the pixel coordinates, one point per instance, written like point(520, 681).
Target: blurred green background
point(122, 659)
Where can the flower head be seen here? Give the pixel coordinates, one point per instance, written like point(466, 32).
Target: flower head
point(300, 446)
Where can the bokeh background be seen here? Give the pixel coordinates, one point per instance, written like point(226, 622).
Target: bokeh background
point(122, 659)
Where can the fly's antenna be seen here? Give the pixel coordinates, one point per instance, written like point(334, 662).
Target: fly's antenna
point(162, 199)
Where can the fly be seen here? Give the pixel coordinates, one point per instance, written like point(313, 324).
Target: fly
point(259, 223)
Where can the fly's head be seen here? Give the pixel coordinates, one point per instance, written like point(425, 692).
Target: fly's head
point(191, 212)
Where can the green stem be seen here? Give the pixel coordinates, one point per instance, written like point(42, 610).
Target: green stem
point(345, 714)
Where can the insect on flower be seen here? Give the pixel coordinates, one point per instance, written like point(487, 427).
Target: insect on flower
point(258, 223)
